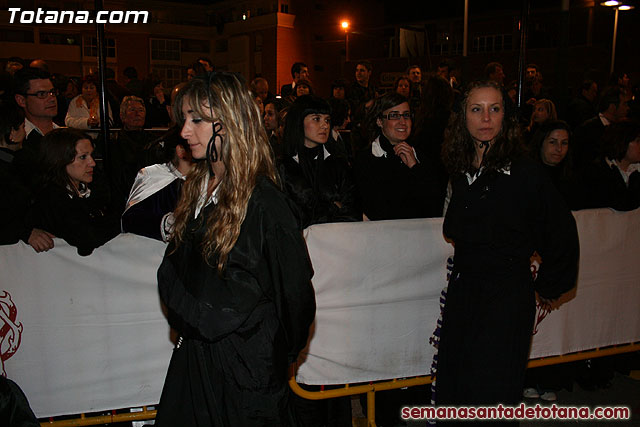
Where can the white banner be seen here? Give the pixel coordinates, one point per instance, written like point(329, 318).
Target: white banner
point(87, 334)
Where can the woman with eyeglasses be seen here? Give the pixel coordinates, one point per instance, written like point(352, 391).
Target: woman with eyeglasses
point(503, 208)
point(394, 181)
point(84, 109)
point(236, 276)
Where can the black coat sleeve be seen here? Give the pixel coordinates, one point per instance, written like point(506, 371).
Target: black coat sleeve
point(557, 241)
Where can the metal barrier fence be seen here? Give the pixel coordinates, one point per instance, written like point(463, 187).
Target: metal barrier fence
point(348, 390)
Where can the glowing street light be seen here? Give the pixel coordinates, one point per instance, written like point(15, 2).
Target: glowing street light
point(618, 6)
point(344, 24)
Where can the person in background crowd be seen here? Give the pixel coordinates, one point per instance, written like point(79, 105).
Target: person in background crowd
point(157, 106)
point(130, 151)
point(274, 125)
point(36, 95)
point(319, 183)
point(260, 86)
point(132, 83)
point(613, 108)
point(494, 72)
point(206, 63)
point(68, 206)
point(299, 71)
point(316, 180)
point(362, 90)
point(115, 93)
point(503, 208)
point(84, 110)
point(303, 88)
point(195, 70)
point(14, 193)
point(237, 257)
point(339, 88)
point(551, 145)
point(155, 193)
point(392, 182)
point(402, 85)
point(40, 64)
point(583, 107)
point(428, 132)
point(14, 64)
point(543, 110)
point(614, 182)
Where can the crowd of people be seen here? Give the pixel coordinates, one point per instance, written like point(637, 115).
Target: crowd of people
point(240, 171)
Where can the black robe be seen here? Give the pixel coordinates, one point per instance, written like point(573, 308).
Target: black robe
point(83, 222)
point(496, 224)
point(389, 189)
point(241, 329)
point(316, 185)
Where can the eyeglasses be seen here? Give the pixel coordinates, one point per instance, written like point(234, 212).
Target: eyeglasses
point(394, 115)
point(42, 94)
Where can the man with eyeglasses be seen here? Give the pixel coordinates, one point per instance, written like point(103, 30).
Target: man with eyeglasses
point(394, 182)
point(34, 92)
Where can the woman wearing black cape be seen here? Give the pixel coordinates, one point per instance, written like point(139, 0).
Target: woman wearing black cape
point(236, 275)
point(503, 209)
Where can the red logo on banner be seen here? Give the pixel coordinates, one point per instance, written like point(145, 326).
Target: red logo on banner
point(10, 331)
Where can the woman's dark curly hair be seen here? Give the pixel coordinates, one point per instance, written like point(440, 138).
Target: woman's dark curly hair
point(57, 150)
point(293, 134)
point(541, 134)
point(381, 104)
point(459, 152)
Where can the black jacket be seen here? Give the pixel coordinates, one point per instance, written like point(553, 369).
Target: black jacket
point(85, 223)
point(324, 194)
point(607, 189)
point(389, 189)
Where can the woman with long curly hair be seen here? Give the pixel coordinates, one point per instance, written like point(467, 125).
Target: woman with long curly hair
point(503, 209)
point(236, 275)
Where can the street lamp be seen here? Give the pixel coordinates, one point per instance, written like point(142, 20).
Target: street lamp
point(618, 6)
point(345, 26)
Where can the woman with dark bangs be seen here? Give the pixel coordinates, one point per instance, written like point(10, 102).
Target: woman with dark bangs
point(236, 276)
point(503, 209)
point(317, 180)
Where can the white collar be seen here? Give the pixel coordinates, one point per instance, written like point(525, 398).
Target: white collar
point(335, 134)
point(29, 126)
point(604, 120)
point(324, 155)
point(633, 167)
point(377, 151)
point(376, 148)
point(471, 178)
point(202, 200)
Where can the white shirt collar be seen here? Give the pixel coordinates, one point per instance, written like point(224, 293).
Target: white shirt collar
point(604, 120)
point(324, 155)
point(376, 148)
point(634, 167)
point(377, 151)
point(29, 126)
point(471, 178)
point(202, 200)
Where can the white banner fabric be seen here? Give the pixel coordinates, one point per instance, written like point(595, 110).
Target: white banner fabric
point(91, 335)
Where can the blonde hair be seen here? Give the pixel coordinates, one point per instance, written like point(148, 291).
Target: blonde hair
point(549, 106)
point(244, 151)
